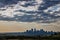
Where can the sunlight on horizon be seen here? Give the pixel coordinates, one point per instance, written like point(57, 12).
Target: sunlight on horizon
point(13, 26)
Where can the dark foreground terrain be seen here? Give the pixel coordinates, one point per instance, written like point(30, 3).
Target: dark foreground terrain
point(51, 37)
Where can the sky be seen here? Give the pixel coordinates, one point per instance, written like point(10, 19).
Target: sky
point(19, 16)
point(21, 27)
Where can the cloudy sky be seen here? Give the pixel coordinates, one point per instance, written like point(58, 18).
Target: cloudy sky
point(21, 15)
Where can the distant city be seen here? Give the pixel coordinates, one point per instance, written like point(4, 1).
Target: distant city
point(32, 32)
point(40, 32)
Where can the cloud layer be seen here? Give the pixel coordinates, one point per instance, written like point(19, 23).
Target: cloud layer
point(45, 11)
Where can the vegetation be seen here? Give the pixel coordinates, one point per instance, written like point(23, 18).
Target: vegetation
point(51, 37)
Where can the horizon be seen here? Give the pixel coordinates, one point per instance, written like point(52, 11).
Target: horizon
point(21, 27)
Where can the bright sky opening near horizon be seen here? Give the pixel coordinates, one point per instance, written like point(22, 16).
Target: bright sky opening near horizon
point(22, 15)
